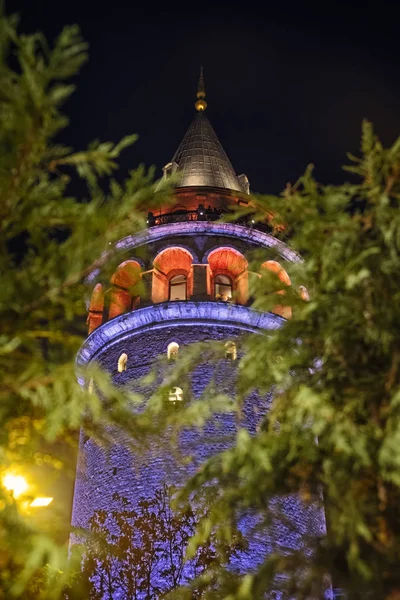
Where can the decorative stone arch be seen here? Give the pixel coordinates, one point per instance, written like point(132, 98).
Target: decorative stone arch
point(231, 263)
point(275, 267)
point(191, 251)
point(96, 307)
point(124, 296)
point(229, 245)
point(137, 259)
point(171, 262)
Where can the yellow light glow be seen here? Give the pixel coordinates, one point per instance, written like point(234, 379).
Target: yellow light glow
point(41, 502)
point(15, 484)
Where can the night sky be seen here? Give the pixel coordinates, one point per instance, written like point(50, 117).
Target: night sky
point(286, 84)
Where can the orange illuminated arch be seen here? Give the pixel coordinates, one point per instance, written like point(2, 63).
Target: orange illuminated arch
point(95, 316)
point(123, 295)
point(274, 267)
point(228, 269)
point(172, 269)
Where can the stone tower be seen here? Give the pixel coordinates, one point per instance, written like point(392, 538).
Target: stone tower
point(197, 276)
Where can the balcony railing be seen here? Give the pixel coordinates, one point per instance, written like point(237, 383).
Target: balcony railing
point(202, 214)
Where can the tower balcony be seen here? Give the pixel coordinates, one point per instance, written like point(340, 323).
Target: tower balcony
point(191, 261)
point(202, 214)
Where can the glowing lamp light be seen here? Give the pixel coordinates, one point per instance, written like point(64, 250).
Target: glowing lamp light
point(16, 484)
point(40, 502)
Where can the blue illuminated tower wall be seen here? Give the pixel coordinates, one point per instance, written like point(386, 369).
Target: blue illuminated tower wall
point(197, 279)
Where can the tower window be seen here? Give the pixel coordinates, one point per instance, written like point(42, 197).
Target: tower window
point(122, 362)
point(304, 295)
point(223, 288)
point(230, 351)
point(176, 395)
point(177, 288)
point(172, 351)
point(169, 169)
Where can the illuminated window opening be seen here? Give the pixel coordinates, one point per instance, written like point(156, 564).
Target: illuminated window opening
point(122, 362)
point(177, 287)
point(172, 351)
point(223, 288)
point(230, 351)
point(304, 295)
point(273, 266)
point(175, 395)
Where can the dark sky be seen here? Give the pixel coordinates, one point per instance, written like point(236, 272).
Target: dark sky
point(287, 84)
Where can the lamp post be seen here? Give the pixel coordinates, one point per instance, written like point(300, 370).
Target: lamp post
point(17, 485)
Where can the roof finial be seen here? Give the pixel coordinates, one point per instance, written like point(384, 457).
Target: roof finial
point(201, 103)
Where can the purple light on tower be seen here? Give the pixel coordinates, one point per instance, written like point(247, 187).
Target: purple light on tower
point(196, 278)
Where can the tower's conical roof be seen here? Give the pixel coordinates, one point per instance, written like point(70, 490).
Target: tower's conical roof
point(201, 159)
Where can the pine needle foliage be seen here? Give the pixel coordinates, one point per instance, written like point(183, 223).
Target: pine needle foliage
point(50, 242)
point(332, 433)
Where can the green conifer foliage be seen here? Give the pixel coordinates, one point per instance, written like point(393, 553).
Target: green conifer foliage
point(50, 242)
point(332, 434)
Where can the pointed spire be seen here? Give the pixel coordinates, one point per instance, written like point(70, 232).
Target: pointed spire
point(201, 103)
point(200, 160)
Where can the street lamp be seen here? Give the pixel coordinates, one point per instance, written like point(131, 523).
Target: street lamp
point(16, 484)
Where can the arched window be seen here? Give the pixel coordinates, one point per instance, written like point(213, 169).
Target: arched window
point(229, 275)
point(176, 395)
point(122, 362)
point(177, 288)
point(172, 351)
point(304, 295)
point(95, 316)
point(273, 266)
point(124, 293)
point(172, 277)
point(230, 350)
point(223, 288)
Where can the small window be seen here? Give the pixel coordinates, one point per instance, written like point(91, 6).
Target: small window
point(223, 288)
point(91, 386)
point(177, 288)
point(230, 351)
point(172, 351)
point(304, 295)
point(122, 362)
point(175, 395)
point(169, 169)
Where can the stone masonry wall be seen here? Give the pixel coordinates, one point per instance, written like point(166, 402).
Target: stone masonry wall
point(100, 474)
